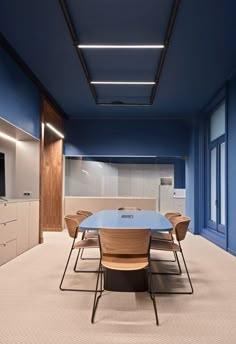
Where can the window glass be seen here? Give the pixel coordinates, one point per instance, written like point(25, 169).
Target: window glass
point(217, 124)
point(222, 183)
point(213, 185)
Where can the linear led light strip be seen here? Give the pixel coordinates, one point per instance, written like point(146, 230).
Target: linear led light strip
point(97, 46)
point(55, 130)
point(123, 82)
point(7, 137)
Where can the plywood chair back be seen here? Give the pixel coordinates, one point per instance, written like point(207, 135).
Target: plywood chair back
point(124, 241)
point(129, 208)
point(180, 225)
point(72, 222)
point(84, 212)
point(173, 214)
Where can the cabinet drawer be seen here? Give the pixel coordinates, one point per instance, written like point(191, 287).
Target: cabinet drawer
point(8, 231)
point(7, 251)
point(7, 212)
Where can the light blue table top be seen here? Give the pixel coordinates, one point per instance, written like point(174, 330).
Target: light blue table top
point(127, 219)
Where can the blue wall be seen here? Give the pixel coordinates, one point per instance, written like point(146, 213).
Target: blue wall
point(19, 97)
point(127, 137)
point(179, 174)
point(192, 178)
point(231, 109)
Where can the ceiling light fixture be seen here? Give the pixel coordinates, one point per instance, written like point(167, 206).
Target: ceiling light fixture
point(7, 137)
point(97, 46)
point(55, 130)
point(123, 82)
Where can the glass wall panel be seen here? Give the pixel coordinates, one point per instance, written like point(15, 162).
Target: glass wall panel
point(109, 178)
point(213, 186)
point(217, 124)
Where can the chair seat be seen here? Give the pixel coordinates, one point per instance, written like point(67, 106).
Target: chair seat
point(90, 235)
point(164, 245)
point(161, 236)
point(87, 243)
point(123, 263)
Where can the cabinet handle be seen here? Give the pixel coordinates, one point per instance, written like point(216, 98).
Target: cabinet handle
point(3, 244)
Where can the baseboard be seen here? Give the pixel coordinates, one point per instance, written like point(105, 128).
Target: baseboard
point(233, 252)
point(215, 238)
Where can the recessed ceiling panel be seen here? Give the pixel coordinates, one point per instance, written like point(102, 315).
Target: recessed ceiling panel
point(122, 94)
point(200, 58)
point(120, 22)
point(122, 64)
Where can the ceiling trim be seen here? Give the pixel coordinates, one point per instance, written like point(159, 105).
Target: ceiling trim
point(75, 41)
point(16, 57)
point(171, 23)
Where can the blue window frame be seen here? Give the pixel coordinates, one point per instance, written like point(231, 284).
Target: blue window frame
point(215, 174)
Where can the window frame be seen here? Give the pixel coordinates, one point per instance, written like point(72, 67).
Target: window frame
point(216, 143)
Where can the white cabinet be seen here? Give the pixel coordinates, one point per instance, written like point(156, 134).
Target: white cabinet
point(7, 212)
point(7, 251)
point(22, 227)
point(8, 232)
point(179, 204)
point(165, 198)
point(34, 224)
point(19, 228)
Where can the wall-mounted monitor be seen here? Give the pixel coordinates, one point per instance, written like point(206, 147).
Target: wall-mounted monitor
point(2, 175)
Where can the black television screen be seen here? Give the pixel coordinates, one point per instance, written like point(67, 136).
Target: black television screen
point(2, 175)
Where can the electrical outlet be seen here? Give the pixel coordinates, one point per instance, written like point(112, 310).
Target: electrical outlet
point(27, 193)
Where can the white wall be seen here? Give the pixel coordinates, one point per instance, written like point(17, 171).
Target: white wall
point(9, 149)
point(27, 169)
point(21, 168)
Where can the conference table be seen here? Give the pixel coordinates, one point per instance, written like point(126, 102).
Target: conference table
point(123, 219)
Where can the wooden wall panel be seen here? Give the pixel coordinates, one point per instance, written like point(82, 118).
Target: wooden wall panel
point(51, 171)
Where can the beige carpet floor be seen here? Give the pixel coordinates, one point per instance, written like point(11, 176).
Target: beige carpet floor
point(34, 310)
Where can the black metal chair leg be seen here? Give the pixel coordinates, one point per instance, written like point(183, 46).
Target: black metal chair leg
point(82, 271)
point(165, 260)
point(171, 273)
point(76, 261)
point(185, 265)
point(82, 258)
point(64, 273)
point(189, 279)
point(63, 276)
point(96, 299)
point(177, 259)
point(152, 296)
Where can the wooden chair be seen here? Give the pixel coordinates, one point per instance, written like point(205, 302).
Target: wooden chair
point(84, 212)
point(93, 234)
point(129, 208)
point(180, 226)
point(167, 236)
point(87, 241)
point(124, 250)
